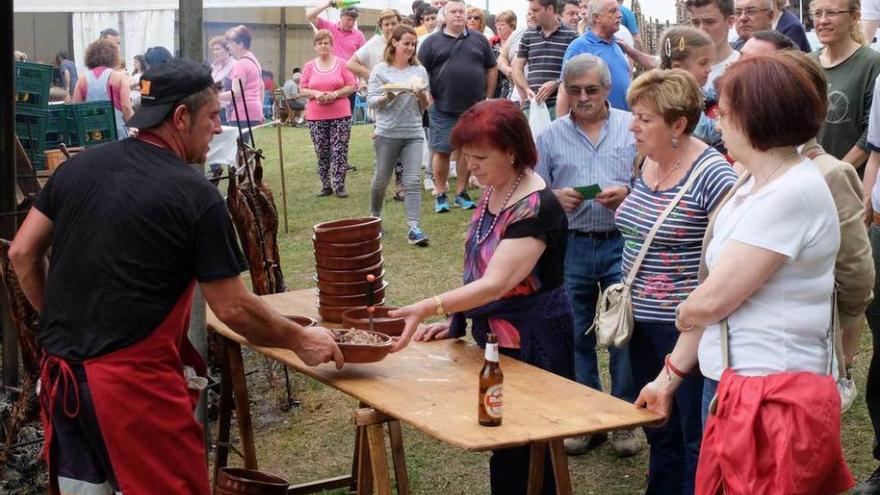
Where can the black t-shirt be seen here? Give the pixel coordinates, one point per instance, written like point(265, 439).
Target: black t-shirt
point(538, 215)
point(463, 81)
point(134, 225)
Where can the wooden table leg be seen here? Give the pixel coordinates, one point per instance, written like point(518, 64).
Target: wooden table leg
point(371, 423)
point(395, 434)
point(379, 458)
point(362, 474)
point(560, 467)
point(242, 406)
point(536, 468)
point(224, 421)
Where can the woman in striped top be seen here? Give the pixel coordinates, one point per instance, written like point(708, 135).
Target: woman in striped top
point(666, 105)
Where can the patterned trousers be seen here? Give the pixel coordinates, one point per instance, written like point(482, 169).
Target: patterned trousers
point(330, 138)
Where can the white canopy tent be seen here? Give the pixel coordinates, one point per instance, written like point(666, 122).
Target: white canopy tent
point(147, 24)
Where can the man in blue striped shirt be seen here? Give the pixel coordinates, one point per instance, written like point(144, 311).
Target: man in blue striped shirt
point(591, 145)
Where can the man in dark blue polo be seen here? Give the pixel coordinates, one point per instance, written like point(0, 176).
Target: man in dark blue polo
point(604, 16)
point(462, 71)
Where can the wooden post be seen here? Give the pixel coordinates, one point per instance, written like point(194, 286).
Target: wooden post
point(242, 407)
point(8, 223)
point(536, 468)
point(190, 39)
point(283, 182)
point(560, 467)
point(379, 458)
point(395, 434)
point(224, 420)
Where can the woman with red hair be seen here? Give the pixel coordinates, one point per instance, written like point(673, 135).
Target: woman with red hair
point(513, 266)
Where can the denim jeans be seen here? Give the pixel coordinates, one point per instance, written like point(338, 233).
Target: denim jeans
point(872, 394)
point(592, 265)
point(675, 446)
point(710, 386)
point(388, 151)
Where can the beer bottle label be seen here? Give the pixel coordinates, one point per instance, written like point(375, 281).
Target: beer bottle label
point(491, 352)
point(493, 401)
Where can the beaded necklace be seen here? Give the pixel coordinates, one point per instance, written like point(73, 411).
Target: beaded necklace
point(481, 240)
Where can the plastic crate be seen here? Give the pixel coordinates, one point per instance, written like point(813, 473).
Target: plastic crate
point(32, 83)
point(30, 127)
point(90, 124)
point(56, 128)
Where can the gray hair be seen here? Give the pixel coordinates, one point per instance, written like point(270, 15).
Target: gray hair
point(594, 8)
point(771, 4)
point(582, 65)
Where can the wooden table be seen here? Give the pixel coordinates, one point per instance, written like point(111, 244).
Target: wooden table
point(433, 387)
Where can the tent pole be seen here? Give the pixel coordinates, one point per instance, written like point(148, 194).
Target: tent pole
point(8, 223)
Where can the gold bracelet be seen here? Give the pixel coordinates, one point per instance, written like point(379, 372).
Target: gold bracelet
point(439, 309)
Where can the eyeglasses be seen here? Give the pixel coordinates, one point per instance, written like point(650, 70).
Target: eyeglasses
point(828, 14)
point(749, 12)
point(590, 91)
point(475, 18)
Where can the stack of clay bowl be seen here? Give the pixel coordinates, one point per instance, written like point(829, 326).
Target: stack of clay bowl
point(346, 251)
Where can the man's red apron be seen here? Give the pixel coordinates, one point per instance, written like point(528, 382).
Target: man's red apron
point(144, 408)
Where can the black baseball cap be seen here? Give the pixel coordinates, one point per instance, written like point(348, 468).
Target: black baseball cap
point(166, 84)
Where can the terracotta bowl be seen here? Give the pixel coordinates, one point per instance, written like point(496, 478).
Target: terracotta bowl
point(333, 314)
point(348, 230)
point(346, 288)
point(353, 249)
point(352, 299)
point(366, 353)
point(303, 321)
point(359, 318)
point(348, 275)
point(348, 262)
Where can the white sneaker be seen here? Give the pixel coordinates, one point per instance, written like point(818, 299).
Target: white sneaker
point(848, 392)
point(429, 184)
point(453, 169)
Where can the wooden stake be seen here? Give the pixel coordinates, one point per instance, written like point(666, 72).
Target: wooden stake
point(283, 183)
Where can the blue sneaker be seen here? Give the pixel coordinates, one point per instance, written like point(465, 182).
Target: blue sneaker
point(464, 202)
point(417, 237)
point(441, 204)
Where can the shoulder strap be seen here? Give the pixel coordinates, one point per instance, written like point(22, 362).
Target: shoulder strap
point(650, 237)
point(710, 228)
point(452, 51)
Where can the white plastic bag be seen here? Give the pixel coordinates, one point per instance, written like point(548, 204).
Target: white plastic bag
point(539, 117)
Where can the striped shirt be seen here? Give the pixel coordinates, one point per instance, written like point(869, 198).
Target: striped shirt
point(669, 271)
point(544, 55)
point(568, 158)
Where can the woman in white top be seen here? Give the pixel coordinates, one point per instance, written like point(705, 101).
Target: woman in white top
point(774, 424)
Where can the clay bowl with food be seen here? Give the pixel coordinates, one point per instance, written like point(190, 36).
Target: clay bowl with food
point(362, 346)
point(352, 299)
point(333, 314)
point(348, 230)
point(347, 249)
point(358, 318)
point(359, 275)
point(303, 321)
point(347, 288)
point(348, 262)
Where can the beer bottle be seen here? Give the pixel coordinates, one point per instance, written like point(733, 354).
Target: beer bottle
point(491, 381)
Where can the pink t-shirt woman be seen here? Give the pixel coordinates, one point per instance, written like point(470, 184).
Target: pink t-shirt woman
point(250, 72)
point(316, 76)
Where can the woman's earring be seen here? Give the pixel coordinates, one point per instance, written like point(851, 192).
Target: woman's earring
point(674, 142)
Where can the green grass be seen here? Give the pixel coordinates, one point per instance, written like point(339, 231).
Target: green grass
point(316, 440)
